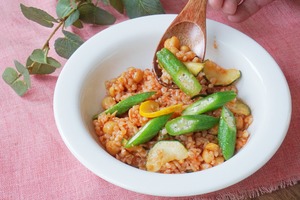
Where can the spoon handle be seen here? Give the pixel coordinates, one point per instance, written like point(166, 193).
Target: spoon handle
point(195, 11)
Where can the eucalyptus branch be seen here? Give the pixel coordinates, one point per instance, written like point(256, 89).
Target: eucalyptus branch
point(69, 13)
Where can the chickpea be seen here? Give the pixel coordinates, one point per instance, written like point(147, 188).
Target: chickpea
point(172, 42)
point(196, 59)
point(138, 76)
point(208, 156)
point(218, 160)
point(174, 50)
point(184, 48)
point(212, 147)
point(175, 42)
point(111, 91)
point(112, 148)
point(190, 55)
point(239, 122)
point(108, 127)
point(205, 166)
point(108, 102)
point(179, 55)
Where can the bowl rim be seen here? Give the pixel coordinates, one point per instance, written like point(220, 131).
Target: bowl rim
point(68, 91)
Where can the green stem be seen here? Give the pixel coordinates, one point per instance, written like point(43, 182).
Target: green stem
point(52, 34)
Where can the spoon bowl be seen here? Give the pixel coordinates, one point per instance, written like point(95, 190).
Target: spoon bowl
point(190, 28)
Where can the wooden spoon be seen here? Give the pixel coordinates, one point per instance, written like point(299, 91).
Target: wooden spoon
point(190, 28)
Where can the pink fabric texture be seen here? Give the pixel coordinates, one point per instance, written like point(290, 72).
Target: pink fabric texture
point(36, 164)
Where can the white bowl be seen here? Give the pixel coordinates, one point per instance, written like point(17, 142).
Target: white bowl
point(80, 88)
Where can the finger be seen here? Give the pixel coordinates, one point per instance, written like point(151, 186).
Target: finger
point(216, 4)
point(247, 9)
point(230, 6)
point(243, 12)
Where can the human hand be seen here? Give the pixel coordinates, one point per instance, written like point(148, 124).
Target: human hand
point(238, 10)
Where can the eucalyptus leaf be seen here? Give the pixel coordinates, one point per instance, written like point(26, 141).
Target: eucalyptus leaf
point(37, 15)
point(32, 66)
point(10, 75)
point(72, 18)
point(21, 69)
point(91, 14)
point(118, 5)
point(52, 62)
point(43, 69)
point(106, 2)
point(66, 46)
point(35, 68)
point(20, 87)
point(73, 37)
point(24, 71)
point(39, 68)
point(64, 8)
point(39, 56)
point(137, 8)
point(78, 24)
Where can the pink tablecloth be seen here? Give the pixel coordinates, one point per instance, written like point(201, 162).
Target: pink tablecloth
point(36, 164)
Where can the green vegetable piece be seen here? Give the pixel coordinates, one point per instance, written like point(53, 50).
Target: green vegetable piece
point(209, 103)
point(148, 131)
point(190, 123)
point(221, 75)
point(181, 76)
point(124, 105)
point(194, 67)
point(239, 107)
point(227, 133)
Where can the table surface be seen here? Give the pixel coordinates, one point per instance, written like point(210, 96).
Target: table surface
point(36, 164)
point(289, 193)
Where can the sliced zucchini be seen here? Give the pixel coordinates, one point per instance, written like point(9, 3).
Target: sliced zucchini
point(163, 152)
point(219, 75)
point(194, 67)
point(239, 107)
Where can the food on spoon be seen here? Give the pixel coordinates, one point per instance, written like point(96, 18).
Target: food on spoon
point(194, 67)
point(181, 76)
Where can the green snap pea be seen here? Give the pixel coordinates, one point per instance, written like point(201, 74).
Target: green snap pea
point(227, 133)
point(181, 76)
point(124, 105)
point(148, 131)
point(209, 103)
point(190, 123)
